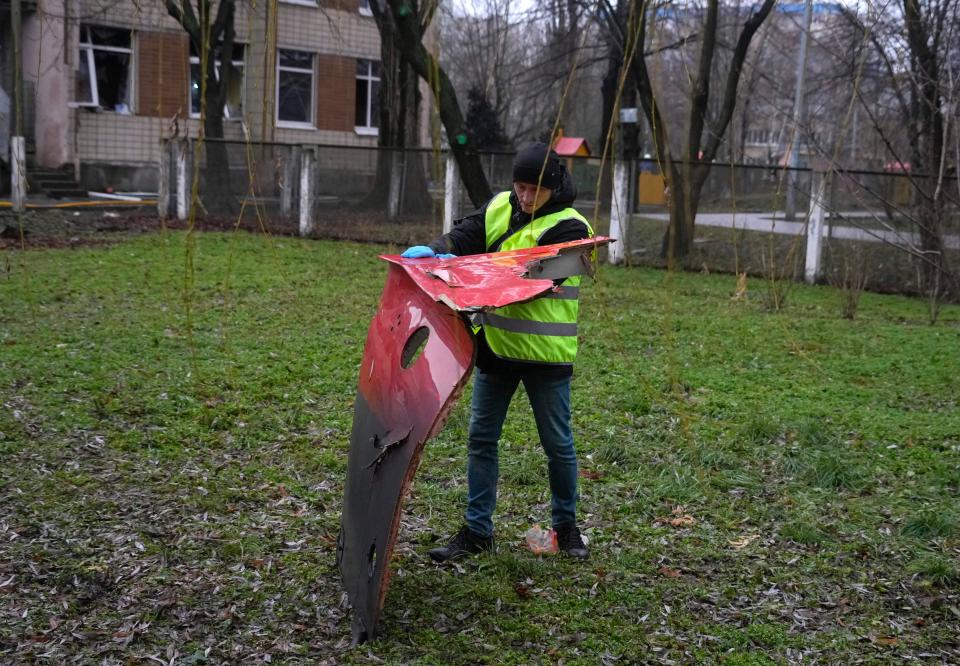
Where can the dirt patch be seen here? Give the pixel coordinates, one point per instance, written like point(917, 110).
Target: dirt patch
point(59, 228)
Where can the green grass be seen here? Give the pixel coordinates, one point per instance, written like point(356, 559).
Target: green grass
point(173, 445)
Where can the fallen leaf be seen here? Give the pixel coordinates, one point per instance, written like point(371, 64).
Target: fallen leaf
point(667, 572)
point(743, 541)
point(884, 640)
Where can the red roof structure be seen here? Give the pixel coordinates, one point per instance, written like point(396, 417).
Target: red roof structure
point(572, 146)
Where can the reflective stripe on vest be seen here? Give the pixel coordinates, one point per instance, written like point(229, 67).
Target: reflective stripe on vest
point(543, 330)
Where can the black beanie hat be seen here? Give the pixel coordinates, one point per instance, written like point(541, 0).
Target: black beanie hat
point(530, 160)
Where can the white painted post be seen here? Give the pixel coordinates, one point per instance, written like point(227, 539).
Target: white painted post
point(396, 182)
point(451, 194)
point(815, 226)
point(184, 182)
point(163, 195)
point(18, 172)
point(619, 211)
point(306, 191)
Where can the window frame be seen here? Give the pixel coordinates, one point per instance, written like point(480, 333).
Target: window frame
point(241, 64)
point(296, 124)
point(369, 77)
point(87, 49)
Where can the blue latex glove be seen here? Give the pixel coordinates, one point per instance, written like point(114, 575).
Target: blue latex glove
point(446, 256)
point(417, 252)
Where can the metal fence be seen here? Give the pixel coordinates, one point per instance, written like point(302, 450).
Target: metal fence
point(871, 225)
point(871, 220)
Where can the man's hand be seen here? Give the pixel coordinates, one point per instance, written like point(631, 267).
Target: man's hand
point(424, 252)
point(418, 252)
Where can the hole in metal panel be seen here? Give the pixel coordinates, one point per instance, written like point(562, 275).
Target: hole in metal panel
point(414, 346)
point(372, 560)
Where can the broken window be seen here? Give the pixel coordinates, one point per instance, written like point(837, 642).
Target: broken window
point(368, 96)
point(364, 8)
point(104, 72)
point(295, 87)
point(233, 105)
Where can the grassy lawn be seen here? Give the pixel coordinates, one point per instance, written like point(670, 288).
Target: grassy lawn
point(757, 488)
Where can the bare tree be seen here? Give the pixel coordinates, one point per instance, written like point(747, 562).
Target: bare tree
point(409, 21)
point(917, 50)
point(700, 133)
point(399, 121)
point(212, 37)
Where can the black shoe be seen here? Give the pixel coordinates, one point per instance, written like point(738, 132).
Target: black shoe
point(569, 541)
point(464, 543)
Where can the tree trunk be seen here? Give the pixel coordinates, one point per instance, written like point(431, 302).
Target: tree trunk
point(416, 194)
point(927, 97)
point(391, 119)
point(211, 39)
point(399, 127)
point(686, 184)
point(409, 41)
point(217, 195)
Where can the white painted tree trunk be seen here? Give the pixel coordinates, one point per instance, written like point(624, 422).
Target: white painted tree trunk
point(18, 172)
point(184, 181)
point(451, 194)
point(306, 191)
point(619, 211)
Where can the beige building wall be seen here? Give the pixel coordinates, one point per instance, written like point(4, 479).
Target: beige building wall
point(100, 136)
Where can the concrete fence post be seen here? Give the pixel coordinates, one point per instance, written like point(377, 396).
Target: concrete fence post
point(619, 211)
point(815, 222)
point(288, 187)
point(307, 166)
point(184, 181)
point(451, 194)
point(163, 193)
point(18, 172)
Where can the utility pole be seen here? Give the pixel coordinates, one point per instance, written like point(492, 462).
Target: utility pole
point(797, 140)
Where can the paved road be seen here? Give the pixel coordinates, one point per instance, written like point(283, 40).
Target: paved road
point(843, 227)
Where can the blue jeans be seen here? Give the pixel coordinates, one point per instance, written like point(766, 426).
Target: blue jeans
point(550, 400)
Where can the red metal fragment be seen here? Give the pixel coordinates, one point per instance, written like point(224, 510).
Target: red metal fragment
point(418, 357)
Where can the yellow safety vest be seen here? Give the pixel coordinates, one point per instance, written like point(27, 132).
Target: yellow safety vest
point(543, 330)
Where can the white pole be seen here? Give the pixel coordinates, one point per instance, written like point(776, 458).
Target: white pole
point(619, 211)
point(18, 172)
point(451, 194)
point(306, 191)
point(183, 179)
point(815, 227)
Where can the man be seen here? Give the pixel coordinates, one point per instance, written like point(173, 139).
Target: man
point(534, 343)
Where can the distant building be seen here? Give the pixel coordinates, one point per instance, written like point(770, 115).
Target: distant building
point(104, 81)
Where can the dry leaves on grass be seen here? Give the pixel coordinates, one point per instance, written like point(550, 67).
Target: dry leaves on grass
point(677, 518)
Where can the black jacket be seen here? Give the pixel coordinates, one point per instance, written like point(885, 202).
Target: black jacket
point(469, 236)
